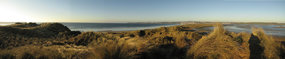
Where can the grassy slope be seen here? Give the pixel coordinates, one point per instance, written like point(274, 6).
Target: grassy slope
point(176, 42)
point(219, 45)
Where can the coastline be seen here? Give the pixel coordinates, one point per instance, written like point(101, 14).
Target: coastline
point(279, 27)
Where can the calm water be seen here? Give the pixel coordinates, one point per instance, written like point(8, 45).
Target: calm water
point(112, 26)
point(269, 29)
point(108, 26)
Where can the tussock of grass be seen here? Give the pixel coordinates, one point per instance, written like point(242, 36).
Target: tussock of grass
point(267, 43)
point(181, 41)
point(84, 38)
point(217, 45)
point(111, 50)
point(121, 49)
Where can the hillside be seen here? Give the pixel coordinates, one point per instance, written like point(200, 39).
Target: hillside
point(56, 41)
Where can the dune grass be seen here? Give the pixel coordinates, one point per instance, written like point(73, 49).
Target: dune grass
point(217, 45)
point(268, 44)
point(176, 42)
point(113, 50)
point(50, 52)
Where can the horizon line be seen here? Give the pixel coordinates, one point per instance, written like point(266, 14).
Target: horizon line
point(149, 22)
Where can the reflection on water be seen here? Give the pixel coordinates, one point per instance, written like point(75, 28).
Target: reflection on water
point(269, 29)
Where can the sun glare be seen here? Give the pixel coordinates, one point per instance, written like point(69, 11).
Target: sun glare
point(9, 13)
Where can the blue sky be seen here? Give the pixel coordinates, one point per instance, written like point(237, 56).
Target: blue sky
point(142, 10)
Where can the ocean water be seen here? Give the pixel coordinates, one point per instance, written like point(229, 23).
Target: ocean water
point(97, 27)
point(269, 29)
point(84, 27)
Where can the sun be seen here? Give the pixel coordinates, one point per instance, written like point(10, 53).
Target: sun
point(10, 13)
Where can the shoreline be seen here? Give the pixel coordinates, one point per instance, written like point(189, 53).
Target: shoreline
point(279, 27)
point(158, 27)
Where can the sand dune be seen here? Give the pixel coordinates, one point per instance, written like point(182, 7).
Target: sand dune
point(55, 41)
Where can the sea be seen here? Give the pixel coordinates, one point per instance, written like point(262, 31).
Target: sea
point(269, 29)
point(99, 27)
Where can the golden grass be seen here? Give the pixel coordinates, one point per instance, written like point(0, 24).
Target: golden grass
point(110, 50)
point(51, 52)
point(124, 48)
point(217, 45)
point(267, 42)
point(176, 42)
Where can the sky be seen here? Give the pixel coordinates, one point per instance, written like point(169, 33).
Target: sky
point(142, 10)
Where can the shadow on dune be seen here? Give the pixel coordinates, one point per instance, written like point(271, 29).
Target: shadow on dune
point(255, 49)
point(282, 50)
point(166, 51)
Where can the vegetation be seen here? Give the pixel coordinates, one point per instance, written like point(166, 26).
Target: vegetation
point(55, 41)
point(266, 43)
point(219, 45)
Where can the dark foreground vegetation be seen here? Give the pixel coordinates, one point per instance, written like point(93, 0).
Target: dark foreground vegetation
point(55, 41)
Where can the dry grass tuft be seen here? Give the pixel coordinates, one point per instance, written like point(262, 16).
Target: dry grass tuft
point(51, 52)
point(217, 45)
point(267, 43)
point(113, 49)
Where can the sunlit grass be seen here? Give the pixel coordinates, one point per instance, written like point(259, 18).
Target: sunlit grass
point(176, 42)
